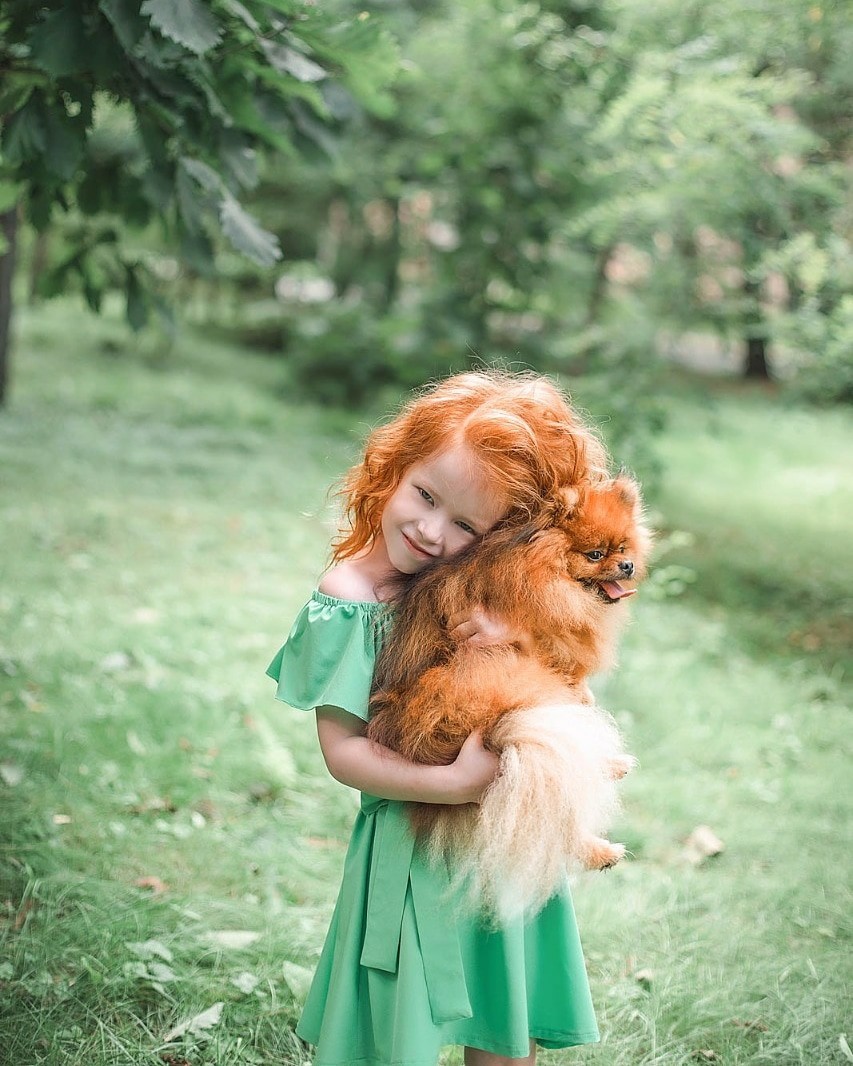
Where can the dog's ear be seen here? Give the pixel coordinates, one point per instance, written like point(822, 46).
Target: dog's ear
point(628, 489)
point(565, 502)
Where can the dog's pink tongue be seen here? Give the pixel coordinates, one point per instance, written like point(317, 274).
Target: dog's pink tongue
point(615, 591)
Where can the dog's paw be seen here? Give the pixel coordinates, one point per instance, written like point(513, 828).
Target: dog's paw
point(601, 854)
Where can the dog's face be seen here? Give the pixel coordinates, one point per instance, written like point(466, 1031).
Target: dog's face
point(603, 539)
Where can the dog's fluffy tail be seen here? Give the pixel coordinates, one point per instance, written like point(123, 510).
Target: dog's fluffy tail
point(554, 794)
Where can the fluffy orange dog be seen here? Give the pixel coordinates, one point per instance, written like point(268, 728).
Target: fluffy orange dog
point(556, 580)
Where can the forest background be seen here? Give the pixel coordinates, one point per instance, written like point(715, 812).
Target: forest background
point(284, 215)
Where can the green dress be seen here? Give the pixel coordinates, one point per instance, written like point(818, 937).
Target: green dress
point(402, 972)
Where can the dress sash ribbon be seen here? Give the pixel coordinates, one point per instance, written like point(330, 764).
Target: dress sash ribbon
point(399, 868)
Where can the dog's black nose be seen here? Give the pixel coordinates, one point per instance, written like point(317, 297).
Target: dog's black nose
point(627, 567)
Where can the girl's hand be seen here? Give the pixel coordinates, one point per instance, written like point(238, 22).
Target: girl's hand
point(476, 626)
point(475, 767)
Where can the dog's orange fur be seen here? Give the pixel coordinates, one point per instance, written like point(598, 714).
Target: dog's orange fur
point(559, 753)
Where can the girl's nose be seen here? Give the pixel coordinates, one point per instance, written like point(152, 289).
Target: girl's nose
point(430, 529)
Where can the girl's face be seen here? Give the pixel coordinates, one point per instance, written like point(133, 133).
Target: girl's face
point(441, 504)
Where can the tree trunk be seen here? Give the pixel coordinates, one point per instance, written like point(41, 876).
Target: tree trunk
point(9, 229)
point(755, 361)
point(37, 264)
point(599, 285)
point(393, 252)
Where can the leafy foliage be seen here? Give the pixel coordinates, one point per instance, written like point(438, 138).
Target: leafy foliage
point(194, 91)
point(602, 173)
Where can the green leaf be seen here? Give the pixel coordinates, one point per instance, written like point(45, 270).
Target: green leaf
point(246, 235)
point(15, 94)
point(66, 140)
point(90, 192)
point(137, 302)
point(288, 7)
point(239, 159)
point(157, 187)
point(58, 43)
point(10, 194)
point(24, 135)
point(198, 253)
point(190, 205)
point(39, 204)
point(206, 176)
point(92, 292)
point(159, 52)
point(238, 9)
point(128, 24)
point(289, 61)
point(186, 21)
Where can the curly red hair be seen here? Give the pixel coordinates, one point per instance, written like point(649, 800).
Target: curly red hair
point(520, 426)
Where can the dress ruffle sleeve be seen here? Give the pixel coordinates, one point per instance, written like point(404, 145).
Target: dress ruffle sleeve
point(329, 656)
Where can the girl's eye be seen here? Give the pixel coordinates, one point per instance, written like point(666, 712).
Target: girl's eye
point(425, 495)
point(594, 556)
point(467, 529)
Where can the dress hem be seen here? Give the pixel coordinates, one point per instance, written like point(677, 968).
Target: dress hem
point(556, 1040)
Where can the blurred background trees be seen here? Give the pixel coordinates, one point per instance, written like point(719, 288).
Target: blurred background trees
point(577, 186)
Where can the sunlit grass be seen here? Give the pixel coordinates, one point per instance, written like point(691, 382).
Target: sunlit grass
point(165, 513)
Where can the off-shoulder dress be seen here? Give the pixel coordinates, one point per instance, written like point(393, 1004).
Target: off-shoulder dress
point(404, 972)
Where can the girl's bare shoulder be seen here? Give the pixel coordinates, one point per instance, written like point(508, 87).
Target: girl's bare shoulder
point(348, 581)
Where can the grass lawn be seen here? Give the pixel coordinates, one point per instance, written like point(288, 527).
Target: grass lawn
point(170, 842)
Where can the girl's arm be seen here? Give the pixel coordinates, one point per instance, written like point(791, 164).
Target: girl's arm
point(360, 763)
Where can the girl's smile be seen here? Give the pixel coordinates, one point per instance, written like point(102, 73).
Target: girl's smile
point(441, 505)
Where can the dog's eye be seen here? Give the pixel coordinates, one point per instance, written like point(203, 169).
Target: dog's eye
point(594, 556)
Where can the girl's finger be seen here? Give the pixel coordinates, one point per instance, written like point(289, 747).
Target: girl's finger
point(463, 631)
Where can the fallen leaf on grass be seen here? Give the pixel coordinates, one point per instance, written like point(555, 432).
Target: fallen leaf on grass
point(644, 978)
point(703, 843)
point(153, 884)
point(148, 949)
point(262, 792)
point(152, 804)
point(135, 744)
point(199, 1023)
point(232, 938)
point(29, 696)
point(21, 916)
point(115, 662)
point(844, 1047)
point(750, 1025)
point(298, 979)
point(62, 819)
point(246, 982)
point(11, 773)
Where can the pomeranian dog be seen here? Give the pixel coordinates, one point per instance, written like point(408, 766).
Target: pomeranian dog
point(557, 582)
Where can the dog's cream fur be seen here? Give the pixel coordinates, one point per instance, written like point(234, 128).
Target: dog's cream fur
point(554, 794)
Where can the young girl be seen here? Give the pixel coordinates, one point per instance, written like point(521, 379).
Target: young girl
point(403, 972)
